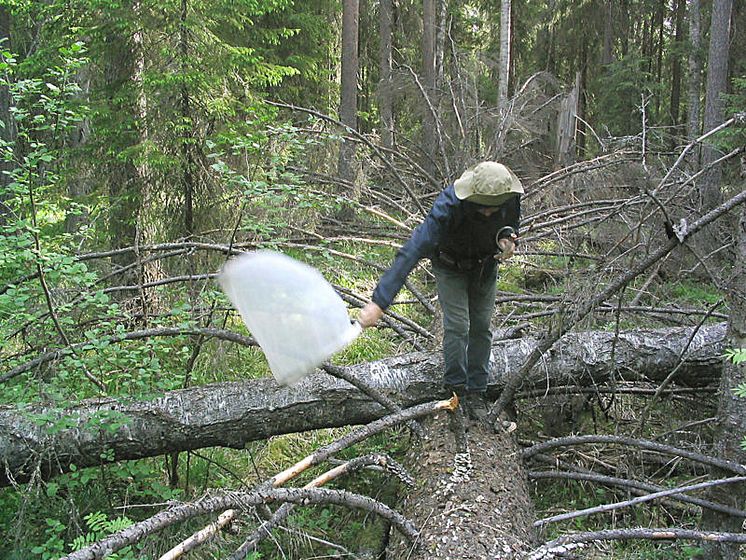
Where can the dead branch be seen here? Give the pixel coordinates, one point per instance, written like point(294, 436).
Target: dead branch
point(360, 434)
point(283, 511)
point(558, 548)
point(239, 501)
point(641, 488)
point(728, 466)
point(565, 324)
point(201, 537)
point(358, 137)
point(264, 495)
point(621, 390)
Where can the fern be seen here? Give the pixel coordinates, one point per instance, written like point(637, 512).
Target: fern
point(736, 355)
point(100, 526)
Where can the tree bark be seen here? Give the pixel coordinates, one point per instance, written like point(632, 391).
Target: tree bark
point(659, 27)
point(471, 501)
point(679, 12)
point(430, 138)
point(731, 428)
point(80, 182)
point(385, 102)
point(717, 85)
point(125, 181)
point(607, 54)
point(348, 101)
point(188, 163)
point(7, 129)
point(505, 41)
point(43, 442)
point(695, 72)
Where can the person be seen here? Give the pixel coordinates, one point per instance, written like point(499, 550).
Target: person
point(472, 225)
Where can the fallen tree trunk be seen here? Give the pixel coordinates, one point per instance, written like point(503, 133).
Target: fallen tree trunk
point(471, 500)
point(43, 442)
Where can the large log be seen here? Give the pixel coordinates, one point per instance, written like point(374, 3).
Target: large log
point(471, 500)
point(44, 442)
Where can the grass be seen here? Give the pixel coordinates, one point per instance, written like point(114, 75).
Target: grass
point(697, 294)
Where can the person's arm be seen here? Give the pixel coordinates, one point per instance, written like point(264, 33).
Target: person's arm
point(508, 234)
point(423, 242)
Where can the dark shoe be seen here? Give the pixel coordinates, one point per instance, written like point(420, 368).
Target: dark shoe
point(475, 405)
point(449, 390)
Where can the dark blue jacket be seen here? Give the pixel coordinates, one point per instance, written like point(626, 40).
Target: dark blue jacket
point(453, 225)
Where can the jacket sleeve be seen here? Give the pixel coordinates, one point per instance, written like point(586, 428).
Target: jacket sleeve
point(511, 216)
point(423, 242)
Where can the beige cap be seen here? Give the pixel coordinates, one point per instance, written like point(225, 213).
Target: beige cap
point(488, 183)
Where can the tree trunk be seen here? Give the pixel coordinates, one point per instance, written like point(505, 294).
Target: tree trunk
point(385, 102)
point(40, 441)
point(440, 41)
point(504, 69)
point(429, 135)
point(679, 12)
point(607, 55)
point(188, 164)
point(717, 85)
point(582, 85)
point(471, 500)
point(79, 183)
point(731, 428)
point(566, 127)
point(695, 72)
point(122, 174)
point(660, 23)
point(7, 130)
point(348, 101)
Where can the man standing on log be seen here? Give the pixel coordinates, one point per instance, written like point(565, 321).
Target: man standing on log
point(472, 225)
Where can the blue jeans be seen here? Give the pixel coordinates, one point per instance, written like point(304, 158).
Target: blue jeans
point(468, 301)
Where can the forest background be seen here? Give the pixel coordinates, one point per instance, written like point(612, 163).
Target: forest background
point(145, 142)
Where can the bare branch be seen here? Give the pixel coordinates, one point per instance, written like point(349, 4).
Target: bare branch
point(564, 325)
point(201, 537)
point(239, 501)
point(558, 548)
point(729, 466)
point(634, 485)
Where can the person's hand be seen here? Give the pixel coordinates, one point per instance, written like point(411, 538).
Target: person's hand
point(369, 315)
point(507, 246)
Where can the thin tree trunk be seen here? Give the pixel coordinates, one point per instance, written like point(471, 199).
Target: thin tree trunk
point(187, 146)
point(348, 101)
point(430, 137)
point(717, 85)
point(607, 56)
point(79, 181)
point(440, 41)
point(505, 42)
point(7, 131)
point(694, 83)
point(123, 176)
point(385, 102)
point(580, 127)
point(660, 16)
point(625, 27)
point(679, 12)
